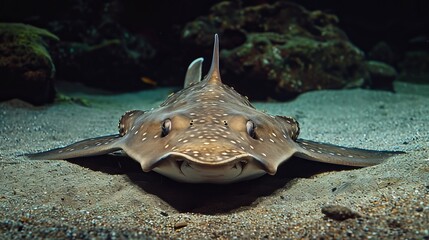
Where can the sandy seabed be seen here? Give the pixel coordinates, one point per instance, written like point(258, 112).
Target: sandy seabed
point(110, 197)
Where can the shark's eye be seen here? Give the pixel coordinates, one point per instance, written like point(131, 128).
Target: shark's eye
point(250, 127)
point(166, 127)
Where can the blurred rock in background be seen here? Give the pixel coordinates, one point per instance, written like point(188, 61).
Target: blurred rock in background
point(26, 68)
point(279, 48)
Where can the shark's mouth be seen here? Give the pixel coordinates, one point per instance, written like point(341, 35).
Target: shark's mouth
point(181, 167)
point(226, 171)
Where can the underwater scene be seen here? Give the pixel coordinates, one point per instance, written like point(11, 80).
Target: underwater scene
point(256, 119)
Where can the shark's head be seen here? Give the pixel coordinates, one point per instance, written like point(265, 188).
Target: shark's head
point(207, 132)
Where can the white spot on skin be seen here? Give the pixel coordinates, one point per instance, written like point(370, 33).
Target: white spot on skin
point(263, 154)
point(144, 139)
point(271, 140)
point(251, 147)
point(136, 132)
point(166, 146)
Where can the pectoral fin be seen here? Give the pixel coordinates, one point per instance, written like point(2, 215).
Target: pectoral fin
point(88, 147)
point(328, 153)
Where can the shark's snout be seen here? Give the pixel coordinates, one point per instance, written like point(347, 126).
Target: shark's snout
point(211, 154)
point(207, 138)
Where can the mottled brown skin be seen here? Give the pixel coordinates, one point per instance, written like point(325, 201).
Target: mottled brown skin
point(208, 132)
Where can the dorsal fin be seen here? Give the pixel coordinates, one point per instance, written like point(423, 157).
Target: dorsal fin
point(193, 74)
point(214, 73)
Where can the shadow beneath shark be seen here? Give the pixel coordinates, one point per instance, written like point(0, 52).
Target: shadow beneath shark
point(207, 198)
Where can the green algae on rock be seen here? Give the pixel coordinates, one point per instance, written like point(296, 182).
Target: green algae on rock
point(26, 68)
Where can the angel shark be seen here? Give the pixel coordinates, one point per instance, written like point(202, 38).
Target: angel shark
point(209, 133)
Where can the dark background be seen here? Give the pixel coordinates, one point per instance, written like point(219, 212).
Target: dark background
point(365, 22)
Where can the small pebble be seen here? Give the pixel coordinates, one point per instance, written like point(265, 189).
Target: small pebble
point(180, 225)
point(339, 213)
